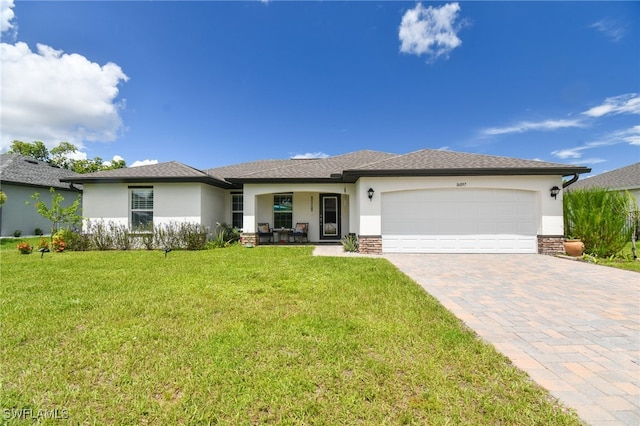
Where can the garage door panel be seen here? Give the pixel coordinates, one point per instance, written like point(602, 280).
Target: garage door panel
point(459, 221)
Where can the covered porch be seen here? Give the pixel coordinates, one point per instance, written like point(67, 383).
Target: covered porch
point(271, 213)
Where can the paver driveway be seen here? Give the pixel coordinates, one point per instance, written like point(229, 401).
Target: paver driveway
point(574, 327)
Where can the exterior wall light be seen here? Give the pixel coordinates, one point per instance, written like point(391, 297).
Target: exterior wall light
point(370, 193)
point(554, 191)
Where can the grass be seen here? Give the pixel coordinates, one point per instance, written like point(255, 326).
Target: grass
point(624, 260)
point(270, 335)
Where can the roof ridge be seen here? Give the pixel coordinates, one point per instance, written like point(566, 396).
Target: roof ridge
point(284, 166)
point(184, 165)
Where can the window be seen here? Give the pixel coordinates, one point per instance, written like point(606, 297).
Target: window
point(236, 210)
point(282, 211)
point(141, 218)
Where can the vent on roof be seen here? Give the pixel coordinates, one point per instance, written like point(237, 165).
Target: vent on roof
point(31, 161)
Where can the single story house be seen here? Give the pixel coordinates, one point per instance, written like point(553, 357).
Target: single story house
point(428, 201)
point(20, 178)
point(623, 179)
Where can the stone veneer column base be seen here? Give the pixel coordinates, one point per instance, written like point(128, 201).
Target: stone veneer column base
point(550, 244)
point(249, 238)
point(370, 244)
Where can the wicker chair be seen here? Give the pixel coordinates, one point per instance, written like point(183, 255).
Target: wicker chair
point(300, 232)
point(265, 231)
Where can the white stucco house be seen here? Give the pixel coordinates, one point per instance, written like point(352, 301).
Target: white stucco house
point(428, 201)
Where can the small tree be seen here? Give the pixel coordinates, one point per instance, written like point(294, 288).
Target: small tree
point(599, 217)
point(58, 214)
point(3, 197)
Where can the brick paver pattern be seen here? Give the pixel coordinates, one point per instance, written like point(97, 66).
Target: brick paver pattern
point(573, 327)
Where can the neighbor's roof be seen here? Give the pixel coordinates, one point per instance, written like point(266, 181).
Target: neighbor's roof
point(341, 168)
point(20, 170)
point(627, 177)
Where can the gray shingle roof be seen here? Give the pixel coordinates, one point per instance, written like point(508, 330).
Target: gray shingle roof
point(347, 167)
point(20, 170)
point(170, 171)
point(430, 159)
point(309, 169)
point(627, 177)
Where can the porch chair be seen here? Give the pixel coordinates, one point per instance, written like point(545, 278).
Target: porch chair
point(264, 231)
point(300, 232)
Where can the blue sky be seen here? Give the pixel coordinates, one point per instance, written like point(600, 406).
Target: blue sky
point(213, 83)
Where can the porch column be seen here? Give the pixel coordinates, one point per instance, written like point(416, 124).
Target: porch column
point(249, 232)
point(370, 212)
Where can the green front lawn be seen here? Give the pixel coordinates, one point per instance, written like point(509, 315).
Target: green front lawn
point(245, 336)
point(624, 261)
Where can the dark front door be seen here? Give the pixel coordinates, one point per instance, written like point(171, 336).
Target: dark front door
point(329, 216)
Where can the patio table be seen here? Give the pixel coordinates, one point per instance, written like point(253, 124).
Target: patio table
point(282, 234)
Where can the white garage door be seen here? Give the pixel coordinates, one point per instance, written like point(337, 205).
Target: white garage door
point(461, 220)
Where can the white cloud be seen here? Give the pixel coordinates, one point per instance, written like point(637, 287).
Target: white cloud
point(525, 126)
point(142, 162)
point(6, 16)
point(309, 155)
point(569, 152)
point(52, 96)
point(109, 162)
point(610, 28)
point(630, 136)
point(594, 160)
point(622, 104)
point(430, 31)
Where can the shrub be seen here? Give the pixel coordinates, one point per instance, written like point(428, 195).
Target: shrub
point(57, 243)
point(38, 231)
point(146, 237)
point(193, 236)
point(17, 233)
point(74, 240)
point(175, 235)
point(599, 218)
point(224, 236)
point(120, 236)
point(43, 244)
point(100, 235)
point(166, 236)
point(350, 243)
point(24, 247)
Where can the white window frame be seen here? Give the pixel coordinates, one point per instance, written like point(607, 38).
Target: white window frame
point(134, 208)
point(285, 197)
point(235, 211)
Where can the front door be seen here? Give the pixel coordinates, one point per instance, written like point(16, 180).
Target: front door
point(329, 216)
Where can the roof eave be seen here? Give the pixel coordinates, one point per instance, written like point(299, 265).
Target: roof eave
point(353, 175)
point(241, 181)
point(148, 179)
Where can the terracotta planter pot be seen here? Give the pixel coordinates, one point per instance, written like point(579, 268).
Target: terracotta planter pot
point(574, 247)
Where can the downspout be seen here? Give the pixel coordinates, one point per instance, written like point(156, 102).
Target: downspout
point(570, 181)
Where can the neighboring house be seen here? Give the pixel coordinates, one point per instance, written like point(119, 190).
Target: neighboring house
point(20, 178)
point(428, 201)
point(622, 179)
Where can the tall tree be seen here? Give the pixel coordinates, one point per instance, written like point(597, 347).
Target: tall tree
point(60, 156)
